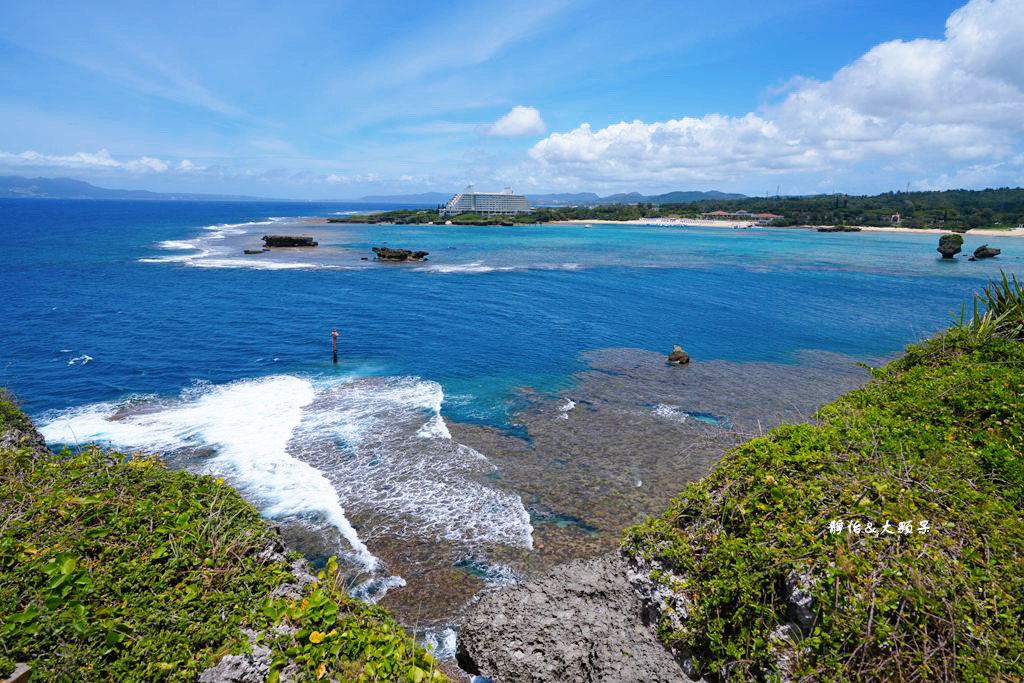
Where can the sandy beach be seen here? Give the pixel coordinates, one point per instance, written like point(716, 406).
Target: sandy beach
point(1012, 232)
point(699, 222)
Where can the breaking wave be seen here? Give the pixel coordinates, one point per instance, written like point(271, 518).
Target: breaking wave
point(321, 450)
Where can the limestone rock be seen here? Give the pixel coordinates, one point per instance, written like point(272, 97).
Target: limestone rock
point(985, 251)
point(678, 356)
point(289, 241)
point(582, 622)
point(949, 245)
point(398, 255)
point(250, 667)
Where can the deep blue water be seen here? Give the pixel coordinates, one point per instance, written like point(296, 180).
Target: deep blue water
point(74, 285)
point(142, 325)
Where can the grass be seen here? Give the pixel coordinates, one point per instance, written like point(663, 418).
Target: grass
point(115, 568)
point(937, 436)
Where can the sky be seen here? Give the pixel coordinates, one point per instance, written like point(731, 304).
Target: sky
point(338, 99)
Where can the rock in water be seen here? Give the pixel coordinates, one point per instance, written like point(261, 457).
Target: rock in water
point(985, 251)
point(398, 255)
point(289, 241)
point(581, 622)
point(949, 245)
point(678, 356)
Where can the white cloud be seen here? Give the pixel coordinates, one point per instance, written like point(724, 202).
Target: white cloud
point(344, 179)
point(93, 160)
point(956, 100)
point(187, 166)
point(520, 121)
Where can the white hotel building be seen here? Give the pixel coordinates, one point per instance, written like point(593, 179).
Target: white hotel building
point(502, 203)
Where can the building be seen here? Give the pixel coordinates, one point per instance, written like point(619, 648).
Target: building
point(503, 203)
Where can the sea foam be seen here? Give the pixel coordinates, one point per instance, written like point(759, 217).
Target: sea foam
point(324, 449)
point(247, 423)
point(384, 445)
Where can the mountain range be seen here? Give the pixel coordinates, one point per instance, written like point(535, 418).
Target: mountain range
point(69, 188)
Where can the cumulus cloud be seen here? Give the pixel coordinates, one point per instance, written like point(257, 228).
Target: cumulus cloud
point(520, 121)
point(94, 161)
point(958, 99)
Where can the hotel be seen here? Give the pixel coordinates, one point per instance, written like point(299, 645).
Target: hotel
point(503, 203)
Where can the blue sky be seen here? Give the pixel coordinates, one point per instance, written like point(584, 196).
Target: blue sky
point(343, 99)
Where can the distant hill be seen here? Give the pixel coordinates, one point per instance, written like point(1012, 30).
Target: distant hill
point(567, 198)
point(69, 188)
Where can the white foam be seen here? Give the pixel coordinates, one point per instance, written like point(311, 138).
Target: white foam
point(434, 428)
point(566, 407)
point(177, 244)
point(670, 412)
point(235, 228)
point(83, 359)
point(248, 423)
point(384, 445)
point(328, 450)
point(476, 267)
point(375, 588)
point(441, 644)
point(255, 264)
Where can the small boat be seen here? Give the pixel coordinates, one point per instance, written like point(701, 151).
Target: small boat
point(588, 225)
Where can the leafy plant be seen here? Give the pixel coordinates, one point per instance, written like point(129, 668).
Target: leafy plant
point(331, 635)
point(998, 310)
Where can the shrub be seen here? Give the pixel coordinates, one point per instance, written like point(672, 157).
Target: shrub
point(936, 436)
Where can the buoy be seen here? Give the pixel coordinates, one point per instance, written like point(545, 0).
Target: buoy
point(334, 344)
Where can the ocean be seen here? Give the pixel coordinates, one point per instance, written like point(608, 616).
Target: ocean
point(499, 407)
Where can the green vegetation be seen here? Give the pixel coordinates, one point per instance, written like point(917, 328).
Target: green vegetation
point(937, 436)
point(362, 640)
point(955, 210)
point(117, 568)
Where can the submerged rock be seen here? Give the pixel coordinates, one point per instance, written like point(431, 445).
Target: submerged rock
point(256, 251)
point(398, 255)
point(581, 622)
point(678, 356)
point(289, 241)
point(985, 251)
point(949, 245)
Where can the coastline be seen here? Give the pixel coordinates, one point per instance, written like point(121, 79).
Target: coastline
point(703, 223)
point(670, 222)
point(987, 232)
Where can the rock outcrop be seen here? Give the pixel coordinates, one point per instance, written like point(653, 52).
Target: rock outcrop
point(256, 251)
point(253, 666)
point(19, 433)
point(289, 241)
point(398, 255)
point(581, 622)
point(949, 245)
point(838, 228)
point(985, 251)
point(678, 356)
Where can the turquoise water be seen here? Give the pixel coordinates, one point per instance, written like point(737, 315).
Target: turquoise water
point(141, 324)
